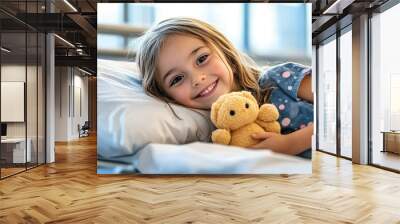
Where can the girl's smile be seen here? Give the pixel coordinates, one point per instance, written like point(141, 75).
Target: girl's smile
point(209, 90)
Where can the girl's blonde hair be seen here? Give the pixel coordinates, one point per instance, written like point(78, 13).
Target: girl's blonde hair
point(244, 69)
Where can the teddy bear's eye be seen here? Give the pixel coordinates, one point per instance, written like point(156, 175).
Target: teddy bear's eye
point(232, 113)
point(247, 105)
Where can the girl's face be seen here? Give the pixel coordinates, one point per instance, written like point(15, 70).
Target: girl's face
point(191, 73)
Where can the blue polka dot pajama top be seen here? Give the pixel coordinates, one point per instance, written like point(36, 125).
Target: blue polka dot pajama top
point(295, 113)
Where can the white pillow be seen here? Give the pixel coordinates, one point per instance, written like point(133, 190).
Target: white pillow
point(128, 119)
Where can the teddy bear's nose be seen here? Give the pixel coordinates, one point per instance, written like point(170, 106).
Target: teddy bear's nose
point(232, 113)
point(247, 105)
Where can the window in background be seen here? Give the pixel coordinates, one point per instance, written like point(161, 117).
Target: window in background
point(110, 13)
point(346, 94)
point(394, 101)
point(385, 87)
point(229, 21)
point(256, 29)
point(142, 15)
point(107, 41)
point(327, 96)
point(281, 32)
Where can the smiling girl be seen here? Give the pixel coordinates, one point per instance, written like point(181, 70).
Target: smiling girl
point(188, 62)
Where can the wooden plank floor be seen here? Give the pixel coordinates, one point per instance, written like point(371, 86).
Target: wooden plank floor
point(70, 191)
point(7, 171)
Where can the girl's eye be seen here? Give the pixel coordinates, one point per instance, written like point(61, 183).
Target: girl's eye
point(201, 59)
point(176, 80)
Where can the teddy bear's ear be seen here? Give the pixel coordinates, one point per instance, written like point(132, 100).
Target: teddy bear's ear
point(214, 111)
point(248, 95)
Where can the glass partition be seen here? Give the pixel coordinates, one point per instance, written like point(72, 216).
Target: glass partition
point(13, 109)
point(346, 94)
point(22, 67)
point(327, 96)
point(385, 89)
point(31, 97)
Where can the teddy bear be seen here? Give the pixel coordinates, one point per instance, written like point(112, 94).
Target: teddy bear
point(237, 116)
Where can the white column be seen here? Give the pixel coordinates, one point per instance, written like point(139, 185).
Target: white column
point(50, 99)
point(360, 90)
point(50, 93)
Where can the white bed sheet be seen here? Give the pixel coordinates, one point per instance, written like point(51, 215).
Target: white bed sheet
point(207, 158)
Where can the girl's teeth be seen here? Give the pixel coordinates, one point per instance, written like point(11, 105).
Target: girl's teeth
point(207, 90)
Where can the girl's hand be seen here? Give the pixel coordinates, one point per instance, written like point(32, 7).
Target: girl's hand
point(273, 141)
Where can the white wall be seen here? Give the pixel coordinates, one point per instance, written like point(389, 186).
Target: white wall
point(13, 101)
point(62, 80)
point(14, 73)
point(81, 83)
point(33, 126)
point(69, 85)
